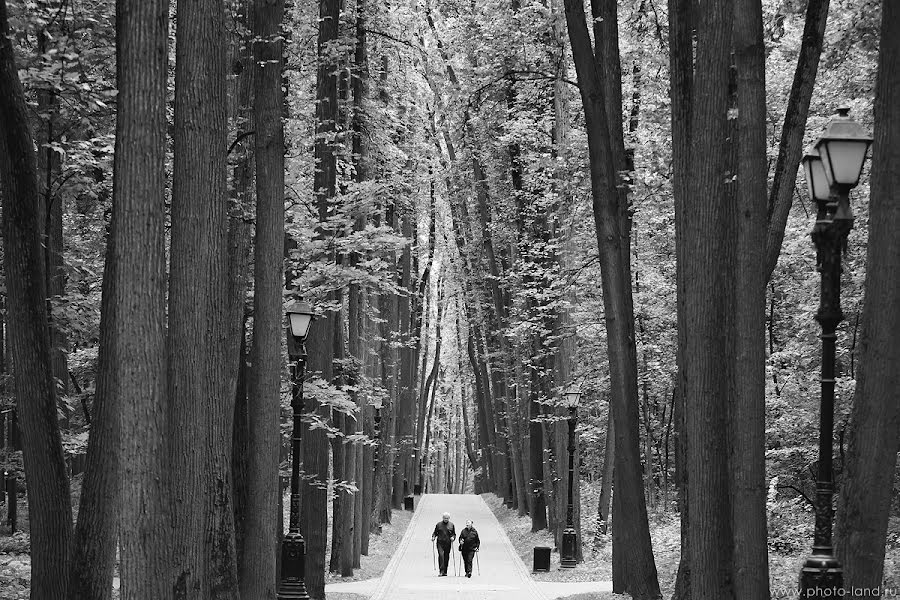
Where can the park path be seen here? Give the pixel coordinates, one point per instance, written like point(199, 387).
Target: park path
point(411, 574)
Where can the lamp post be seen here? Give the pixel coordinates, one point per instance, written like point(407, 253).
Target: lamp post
point(832, 170)
point(568, 555)
point(293, 547)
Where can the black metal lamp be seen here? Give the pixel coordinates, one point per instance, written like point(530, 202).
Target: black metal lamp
point(300, 315)
point(843, 147)
point(816, 180)
point(568, 556)
point(837, 160)
point(292, 585)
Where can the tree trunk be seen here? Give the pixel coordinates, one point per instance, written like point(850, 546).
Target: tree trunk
point(536, 450)
point(137, 287)
point(313, 522)
point(865, 496)
point(609, 216)
point(264, 407)
point(240, 230)
point(48, 486)
point(388, 307)
point(747, 467)
point(358, 335)
point(51, 208)
point(706, 358)
point(94, 550)
point(681, 67)
point(201, 405)
point(606, 483)
point(790, 148)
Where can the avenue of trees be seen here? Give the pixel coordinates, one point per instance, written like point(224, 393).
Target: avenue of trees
point(489, 203)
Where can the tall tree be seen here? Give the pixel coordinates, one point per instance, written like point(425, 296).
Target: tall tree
point(50, 508)
point(641, 577)
point(790, 147)
point(681, 69)
point(258, 574)
point(201, 405)
point(359, 296)
point(240, 234)
point(136, 259)
point(705, 361)
point(865, 495)
point(48, 134)
point(747, 401)
point(322, 335)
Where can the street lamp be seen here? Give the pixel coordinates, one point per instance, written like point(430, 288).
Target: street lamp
point(568, 555)
point(838, 160)
point(293, 547)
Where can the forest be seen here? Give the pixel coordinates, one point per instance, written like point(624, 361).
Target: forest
point(508, 217)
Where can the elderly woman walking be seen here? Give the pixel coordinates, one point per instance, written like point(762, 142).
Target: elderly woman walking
point(469, 544)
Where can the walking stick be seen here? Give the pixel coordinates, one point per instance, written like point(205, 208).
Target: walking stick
point(478, 562)
point(434, 554)
point(455, 572)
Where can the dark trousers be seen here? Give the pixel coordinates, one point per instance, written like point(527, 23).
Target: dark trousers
point(468, 555)
point(443, 556)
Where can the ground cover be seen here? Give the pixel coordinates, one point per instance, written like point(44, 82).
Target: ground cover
point(784, 567)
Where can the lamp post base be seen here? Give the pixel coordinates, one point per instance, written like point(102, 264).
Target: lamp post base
point(295, 590)
point(821, 577)
point(567, 556)
point(293, 568)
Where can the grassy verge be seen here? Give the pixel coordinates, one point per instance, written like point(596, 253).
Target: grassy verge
point(381, 549)
point(665, 533)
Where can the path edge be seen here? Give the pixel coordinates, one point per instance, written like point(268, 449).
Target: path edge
point(536, 591)
point(388, 576)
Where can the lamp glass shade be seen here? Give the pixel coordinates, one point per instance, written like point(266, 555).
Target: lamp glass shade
point(843, 148)
point(300, 315)
point(843, 159)
point(300, 324)
point(572, 398)
point(816, 179)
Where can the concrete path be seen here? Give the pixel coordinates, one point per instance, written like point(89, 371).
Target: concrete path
point(411, 574)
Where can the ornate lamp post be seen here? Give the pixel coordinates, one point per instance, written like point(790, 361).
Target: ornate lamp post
point(568, 554)
point(293, 548)
point(832, 170)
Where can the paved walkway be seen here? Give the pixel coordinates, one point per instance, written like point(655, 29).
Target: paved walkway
point(411, 574)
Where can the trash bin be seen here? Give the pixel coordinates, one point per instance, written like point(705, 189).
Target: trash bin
point(541, 559)
point(409, 503)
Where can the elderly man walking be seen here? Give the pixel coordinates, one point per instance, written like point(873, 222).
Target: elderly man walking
point(444, 534)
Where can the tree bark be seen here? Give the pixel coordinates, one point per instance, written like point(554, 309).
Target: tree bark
point(641, 577)
point(240, 231)
point(257, 577)
point(865, 497)
point(138, 287)
point(681, 68)
point(320, 345)
point(358, 294)
point(51, 209)
point(201, 405)
point(747, 404)
point(705, 309)
point(790, 148)
point(94, 548)
point(406, 424)
point(49, 503)
point(606, 482)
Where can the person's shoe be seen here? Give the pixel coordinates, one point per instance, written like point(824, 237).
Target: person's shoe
point(468, 575)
